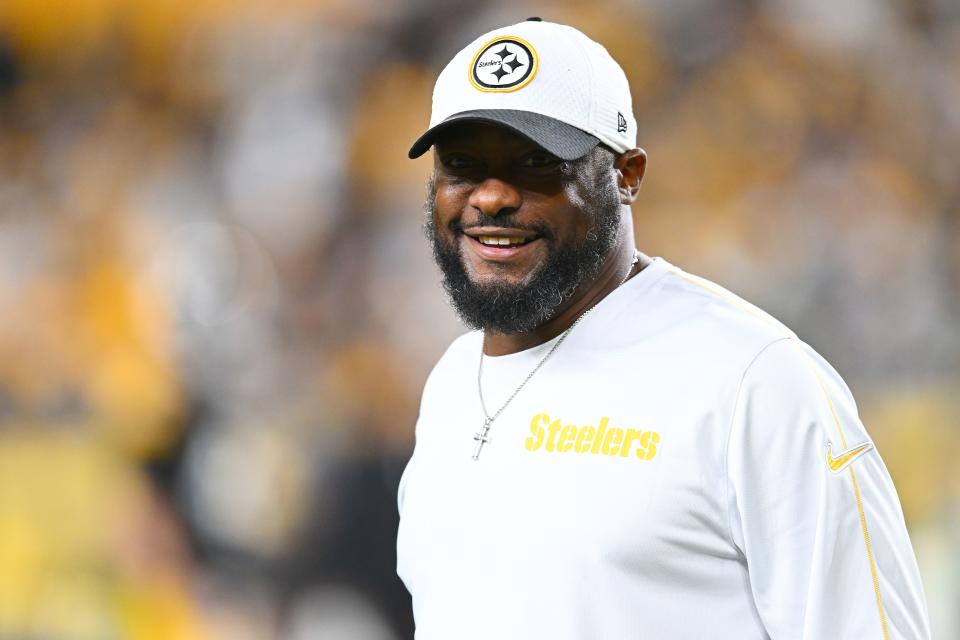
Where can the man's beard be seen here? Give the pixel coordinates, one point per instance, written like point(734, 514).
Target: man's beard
point(519, 308)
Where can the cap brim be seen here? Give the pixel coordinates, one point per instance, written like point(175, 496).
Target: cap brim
point(559, 138)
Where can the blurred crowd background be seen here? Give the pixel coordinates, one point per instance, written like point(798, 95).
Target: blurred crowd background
point(217, 308)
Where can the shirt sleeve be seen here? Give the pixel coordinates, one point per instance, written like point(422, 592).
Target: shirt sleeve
point(812, 507)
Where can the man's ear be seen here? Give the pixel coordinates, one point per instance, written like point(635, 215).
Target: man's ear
point(630, 166)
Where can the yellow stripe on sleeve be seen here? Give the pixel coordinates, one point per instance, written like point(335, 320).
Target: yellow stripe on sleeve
point(761, 315)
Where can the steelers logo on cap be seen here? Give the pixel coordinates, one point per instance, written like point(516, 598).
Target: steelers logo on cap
point(504, 64)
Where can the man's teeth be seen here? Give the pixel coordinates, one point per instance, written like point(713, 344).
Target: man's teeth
point(501, 241)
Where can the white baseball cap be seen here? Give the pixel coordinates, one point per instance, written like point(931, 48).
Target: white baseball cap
point(545, 81)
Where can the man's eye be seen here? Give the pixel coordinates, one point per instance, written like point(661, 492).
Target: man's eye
point(540, 160)
point(457, 161)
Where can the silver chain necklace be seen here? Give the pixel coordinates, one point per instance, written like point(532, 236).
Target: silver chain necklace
point(481, 436)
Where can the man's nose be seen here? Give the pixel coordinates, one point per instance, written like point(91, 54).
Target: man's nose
point(494, 197)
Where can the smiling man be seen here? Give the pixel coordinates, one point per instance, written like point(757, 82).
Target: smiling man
point(619, 449)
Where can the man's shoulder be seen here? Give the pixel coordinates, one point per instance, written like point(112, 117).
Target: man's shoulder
point(463, 347)
point(462, 353)
point(722, 304)
point(711, 319)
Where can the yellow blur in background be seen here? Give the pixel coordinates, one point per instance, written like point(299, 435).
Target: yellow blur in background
point(218, 308)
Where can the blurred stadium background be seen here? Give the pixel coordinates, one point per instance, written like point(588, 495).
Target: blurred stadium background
point(218, 308)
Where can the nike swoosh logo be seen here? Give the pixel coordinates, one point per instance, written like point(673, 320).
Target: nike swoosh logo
point(844, 458)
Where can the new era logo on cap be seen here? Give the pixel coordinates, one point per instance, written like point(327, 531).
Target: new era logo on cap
point(546, 81)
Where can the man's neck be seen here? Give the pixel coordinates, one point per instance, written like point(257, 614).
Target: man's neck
point(589, 294)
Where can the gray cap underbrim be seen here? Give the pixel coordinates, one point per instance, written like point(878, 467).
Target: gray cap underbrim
point(559, 138)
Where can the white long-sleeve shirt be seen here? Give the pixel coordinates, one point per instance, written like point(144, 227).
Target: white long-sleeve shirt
point(682, 467)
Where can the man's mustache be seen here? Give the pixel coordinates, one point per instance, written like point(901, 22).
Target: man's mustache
point(506, 222)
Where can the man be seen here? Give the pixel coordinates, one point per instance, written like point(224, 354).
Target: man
point(621, 449)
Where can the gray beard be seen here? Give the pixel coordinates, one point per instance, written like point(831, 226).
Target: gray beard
point(520, 308)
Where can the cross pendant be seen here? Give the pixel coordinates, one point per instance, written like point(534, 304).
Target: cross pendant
point(481, 438)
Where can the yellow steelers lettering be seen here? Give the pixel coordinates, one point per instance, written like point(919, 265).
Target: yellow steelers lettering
point(536, 432)
point(611, 442)
point(552, 438)
point(648, 445)
point(632, 434)
point(556, 437)
point(585, 438)
point(598, 440)
point(567, 434)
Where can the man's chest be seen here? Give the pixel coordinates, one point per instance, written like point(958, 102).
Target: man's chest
point(588, 470)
